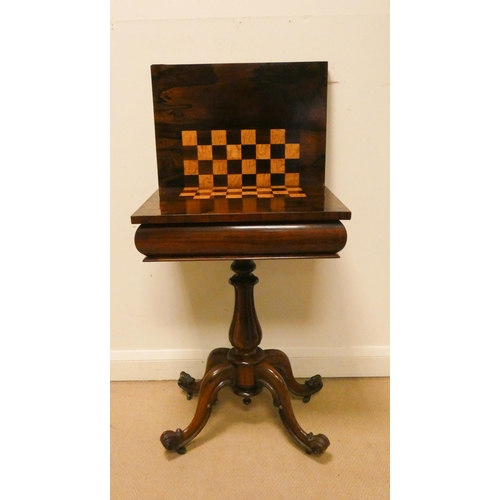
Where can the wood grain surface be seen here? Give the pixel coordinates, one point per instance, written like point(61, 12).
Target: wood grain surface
point(166, 207)
point(242, 102)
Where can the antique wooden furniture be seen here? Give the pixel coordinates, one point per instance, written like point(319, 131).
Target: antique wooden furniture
point(241, 161)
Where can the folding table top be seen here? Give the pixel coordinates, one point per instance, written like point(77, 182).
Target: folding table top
point(240, 142)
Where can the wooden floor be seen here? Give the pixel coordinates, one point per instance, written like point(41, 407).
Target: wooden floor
point(244, 452)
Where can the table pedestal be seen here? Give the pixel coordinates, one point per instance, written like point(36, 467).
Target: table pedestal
point(247, 369)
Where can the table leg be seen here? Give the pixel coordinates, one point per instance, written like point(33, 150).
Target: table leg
point(191, 385)
point(270, 378)
point(211, 384)
point(279, 360)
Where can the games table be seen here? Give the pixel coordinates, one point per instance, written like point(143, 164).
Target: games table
point(241, 178)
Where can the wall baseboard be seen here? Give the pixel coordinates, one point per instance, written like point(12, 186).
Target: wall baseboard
point(368, 361)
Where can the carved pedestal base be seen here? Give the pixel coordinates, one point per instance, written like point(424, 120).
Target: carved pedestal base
point(247, 369)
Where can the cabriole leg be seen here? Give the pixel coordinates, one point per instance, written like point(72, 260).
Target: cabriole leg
point(270, 378)
point(279, 360)
point(192, 386)
point(211, 384)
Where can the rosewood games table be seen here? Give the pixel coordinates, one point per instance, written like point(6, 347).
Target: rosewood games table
point(241, 160)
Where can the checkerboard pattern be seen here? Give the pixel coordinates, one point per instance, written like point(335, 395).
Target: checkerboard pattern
point(237, 163)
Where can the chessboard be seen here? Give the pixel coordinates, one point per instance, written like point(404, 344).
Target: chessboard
point(237, 163)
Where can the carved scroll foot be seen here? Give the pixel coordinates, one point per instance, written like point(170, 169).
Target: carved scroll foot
point(279, 360)
point(213, 381)
point(318, 443)
point(270, 378)
point(172, 440)
point(189, 384)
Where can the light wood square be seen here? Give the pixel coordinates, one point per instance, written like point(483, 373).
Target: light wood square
point(263, 151)
point(248, 166)
point(248, 137)
point(206, 181)
point(219, 167)
point(234, 180)
point(189, 138)
point(219, 137)
point(263, 180)
point(278, 166)
point(292, 179)
point(204, 152)
point(278, 136)
point(234, 151)
point(292, 151)
point(190, 167)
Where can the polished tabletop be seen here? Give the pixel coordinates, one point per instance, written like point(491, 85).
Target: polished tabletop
point(165, 206)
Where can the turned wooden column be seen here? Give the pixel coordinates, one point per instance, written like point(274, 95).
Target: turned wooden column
point(245, 333)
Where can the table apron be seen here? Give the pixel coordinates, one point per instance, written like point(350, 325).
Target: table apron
point(176, 242)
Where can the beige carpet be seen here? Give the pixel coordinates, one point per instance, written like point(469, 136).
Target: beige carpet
point(243, 452)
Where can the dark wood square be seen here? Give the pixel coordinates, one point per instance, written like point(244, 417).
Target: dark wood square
point(263, 166)
point(248, 151)
point(263, 136)
point(204, 137)
point(233, 137)
point(277, 150)
point(249, 179)
point(234, 166)
point(205, 167)
point(277, 179)
point(191, 180)
point(292, 166)
point(219, 152)
point(220, 180)
point(190, 152)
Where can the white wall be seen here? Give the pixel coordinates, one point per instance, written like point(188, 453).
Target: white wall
point(330, 316)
